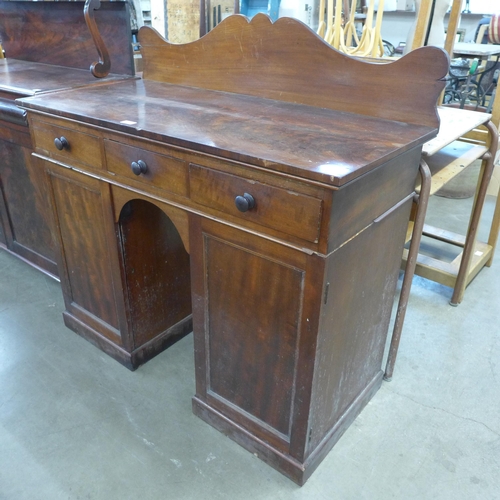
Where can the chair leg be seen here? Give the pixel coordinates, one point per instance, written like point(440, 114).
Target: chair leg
point(470, 239)
point(422, 202)
point(495, 229)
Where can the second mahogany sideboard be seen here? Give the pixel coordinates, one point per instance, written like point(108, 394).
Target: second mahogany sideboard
point(256, 187)
point(48, 47)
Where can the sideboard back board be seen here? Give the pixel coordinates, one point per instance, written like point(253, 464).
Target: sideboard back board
point(56, 33)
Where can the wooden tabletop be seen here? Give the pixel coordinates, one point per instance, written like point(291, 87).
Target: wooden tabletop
point(25, 78)
point(475, 49)
point(320, 144)
point(454, 124)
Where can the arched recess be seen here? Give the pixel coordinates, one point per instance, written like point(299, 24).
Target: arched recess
point(156, 271)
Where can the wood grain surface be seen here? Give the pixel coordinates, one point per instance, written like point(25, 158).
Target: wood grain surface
point(289, 62)
point(320, 144)
point(56, 33)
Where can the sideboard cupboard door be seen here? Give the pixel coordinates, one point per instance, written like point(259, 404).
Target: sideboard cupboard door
point(24, 209)
point(254, 310)
point(89, 262)
point(124, 266)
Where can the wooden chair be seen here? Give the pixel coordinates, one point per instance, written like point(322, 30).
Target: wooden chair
point(464, 137)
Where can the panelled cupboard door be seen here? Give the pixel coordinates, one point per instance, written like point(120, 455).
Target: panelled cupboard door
point(88, 262)
point(253, 323)
point(24, 208)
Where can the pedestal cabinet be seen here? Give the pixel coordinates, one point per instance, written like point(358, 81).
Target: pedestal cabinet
point(217, 192)
point(125, 274)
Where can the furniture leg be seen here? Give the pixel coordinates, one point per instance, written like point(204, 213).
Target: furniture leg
point(422, 201)
point(470, 240)
point(495, 227)
point(495, 224)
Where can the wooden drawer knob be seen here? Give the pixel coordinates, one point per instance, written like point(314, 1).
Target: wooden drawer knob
point(139, 167)
point(245, 202)
point(61, 143)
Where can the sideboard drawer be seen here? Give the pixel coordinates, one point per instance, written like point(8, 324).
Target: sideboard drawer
point(160, 171)
point(72, 145)
point(293, 213)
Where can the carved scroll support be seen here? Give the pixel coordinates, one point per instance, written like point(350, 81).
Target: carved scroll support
point(101, 68)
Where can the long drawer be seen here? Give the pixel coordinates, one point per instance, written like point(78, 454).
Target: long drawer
point(293, 213)
point(67, 144)
point(153, 169)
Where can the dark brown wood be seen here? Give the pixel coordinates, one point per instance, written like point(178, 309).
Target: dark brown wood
point(156, 268)
point(276, 208)
point(165, 172)
point(56, 33)
point(269, 299)
point(24, 207)
point(357, 207)
point(40, 31)
point(291, 297)
point(285, 61)
point(244, 128)
point(88, 282)
point(101, 68)
point(356, 359)
point(81, 147)
point(24, 78)
point(11, 113)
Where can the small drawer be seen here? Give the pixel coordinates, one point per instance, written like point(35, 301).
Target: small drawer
point(160, 171)
point(67, 144)
point(280, 209)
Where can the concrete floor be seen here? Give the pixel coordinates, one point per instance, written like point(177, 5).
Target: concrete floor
point(75, 424)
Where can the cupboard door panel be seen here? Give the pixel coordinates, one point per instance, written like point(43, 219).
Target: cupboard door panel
point(25, 209)
point(78, 207)
point(250, 331)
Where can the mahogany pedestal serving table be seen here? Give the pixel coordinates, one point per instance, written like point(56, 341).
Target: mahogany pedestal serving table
point(257, 183)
